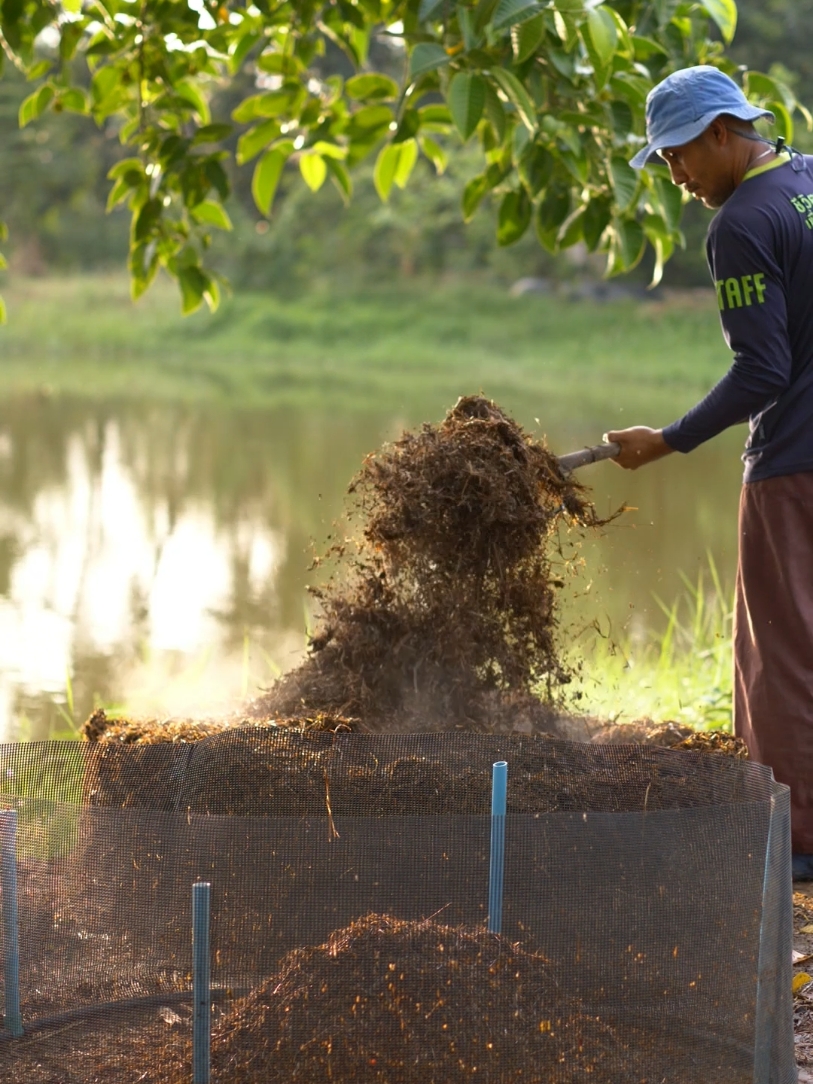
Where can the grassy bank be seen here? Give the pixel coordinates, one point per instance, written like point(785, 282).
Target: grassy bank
point(424, 342)
point(682, 672)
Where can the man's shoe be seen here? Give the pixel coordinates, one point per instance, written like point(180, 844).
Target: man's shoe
point(803, 867)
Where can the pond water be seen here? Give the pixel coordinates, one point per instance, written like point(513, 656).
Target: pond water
point(157, 556)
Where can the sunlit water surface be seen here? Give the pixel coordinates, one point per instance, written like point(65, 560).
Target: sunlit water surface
point(157, 557)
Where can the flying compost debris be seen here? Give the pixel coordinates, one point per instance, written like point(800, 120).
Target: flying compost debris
point(443, 615)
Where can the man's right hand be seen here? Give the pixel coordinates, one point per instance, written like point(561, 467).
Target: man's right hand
point(639, 445)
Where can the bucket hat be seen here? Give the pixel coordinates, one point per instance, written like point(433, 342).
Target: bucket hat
point(685, 104)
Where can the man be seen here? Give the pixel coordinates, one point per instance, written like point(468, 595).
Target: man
point(760, 252)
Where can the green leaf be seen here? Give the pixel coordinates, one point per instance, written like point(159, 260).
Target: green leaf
point(514, 217)
point(663, 250)
point(35, 104)
point(341, 178)
point(371, 117)
point(255, 140)
point(536, 167)
point(74, 100)
point(550, 215)
point(466, 98)
point(211, 133)
point(603, 35)
point(428, 9)
point(622, 119)
point(384, 173)
point(645, 48)
point(670, 198)
point(210, 213)
point(632, 88)
point(495, 113)
point(511, 12)
point(407, 157)
point(473, 195)
point(425, 58)
point(758, 85)
point(266, 177)
point(329, 150)
point(313, 169)
point(276, 63)
point(36, 71)
point(784, 121)
point(408, 126)
point(724, 14)
point(194, 284)
point(272, 104)
point(516, 93)
point(630, 243)
point(191, 93)
point(437, 115)
point(434, 152)
point(465, 20)
point(624, 180)
point(3, 312)
point(371, 86)
point(572, 229)
point(119, 192)
point(126, 165)
point(148, 215)
point(597, 216)
point(527, 37)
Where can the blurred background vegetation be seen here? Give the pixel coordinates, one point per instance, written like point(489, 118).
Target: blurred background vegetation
point(53, 190)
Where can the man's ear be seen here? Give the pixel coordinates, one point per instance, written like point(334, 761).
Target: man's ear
point(718, 132)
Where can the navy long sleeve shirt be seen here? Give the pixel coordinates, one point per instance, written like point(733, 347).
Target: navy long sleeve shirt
point(760, 253)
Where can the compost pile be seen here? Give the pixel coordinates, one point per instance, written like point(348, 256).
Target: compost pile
point(102, 728)
point(444, 615)
point(408, 1002)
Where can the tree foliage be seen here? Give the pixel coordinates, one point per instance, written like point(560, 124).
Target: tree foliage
point(552, 90)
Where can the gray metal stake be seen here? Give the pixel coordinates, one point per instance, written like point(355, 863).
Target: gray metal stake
point(201, 984)
point(499, 795)
point(11, 929)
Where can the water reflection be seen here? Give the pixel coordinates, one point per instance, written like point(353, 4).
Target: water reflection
point(157, 556)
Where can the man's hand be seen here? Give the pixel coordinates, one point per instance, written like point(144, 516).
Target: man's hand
point(639, 445)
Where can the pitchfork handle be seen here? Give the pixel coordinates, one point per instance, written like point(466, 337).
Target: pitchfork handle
point(573, 460)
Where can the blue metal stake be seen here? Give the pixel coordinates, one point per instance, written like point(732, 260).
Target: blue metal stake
point(11, 929)
point(201, 984)
point(499, 792)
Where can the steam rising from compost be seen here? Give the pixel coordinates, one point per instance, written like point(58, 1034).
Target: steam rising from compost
point(444, 615)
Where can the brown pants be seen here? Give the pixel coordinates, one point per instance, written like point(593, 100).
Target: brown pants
point(773, 638)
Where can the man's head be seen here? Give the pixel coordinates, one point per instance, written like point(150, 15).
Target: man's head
point(700, 122)
point(711, 166)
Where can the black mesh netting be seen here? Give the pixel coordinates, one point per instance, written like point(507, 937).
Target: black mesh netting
point(646, 932)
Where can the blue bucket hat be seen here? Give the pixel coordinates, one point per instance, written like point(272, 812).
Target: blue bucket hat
point(685, 104)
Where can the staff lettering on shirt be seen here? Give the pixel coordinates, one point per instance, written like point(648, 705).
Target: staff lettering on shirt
point(734, 293)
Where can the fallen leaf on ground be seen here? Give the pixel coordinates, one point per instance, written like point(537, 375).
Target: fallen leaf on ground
point(807, 929)
point(800, 981)
point(801, 957)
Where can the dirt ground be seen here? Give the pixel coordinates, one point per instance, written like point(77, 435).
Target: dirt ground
point(803, 1000)
point(120, 1048)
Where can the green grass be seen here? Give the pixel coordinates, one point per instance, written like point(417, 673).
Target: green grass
point(422, 342)
point(682, 674)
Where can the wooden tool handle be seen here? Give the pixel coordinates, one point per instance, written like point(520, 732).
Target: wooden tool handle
point(573, 460)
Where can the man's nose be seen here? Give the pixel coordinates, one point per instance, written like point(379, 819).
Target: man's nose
point(679, 174)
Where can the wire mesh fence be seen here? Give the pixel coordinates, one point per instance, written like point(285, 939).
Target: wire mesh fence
point(645, 930)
